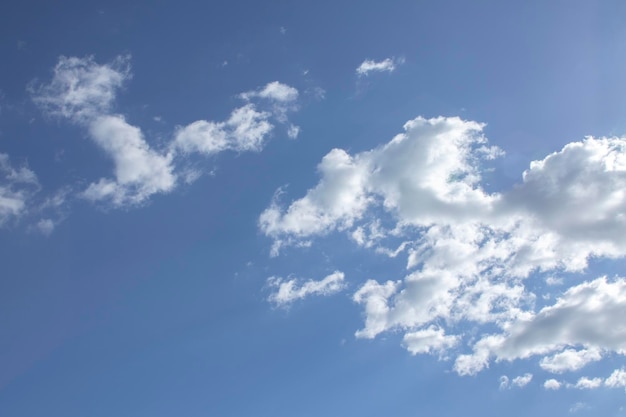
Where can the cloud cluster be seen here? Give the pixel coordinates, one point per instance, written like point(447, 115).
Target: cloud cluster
point(519, 381)
point(84, 92)
point(471, 254)
point(617, 379)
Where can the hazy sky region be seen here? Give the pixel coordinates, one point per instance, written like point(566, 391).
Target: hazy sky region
point(312, 208)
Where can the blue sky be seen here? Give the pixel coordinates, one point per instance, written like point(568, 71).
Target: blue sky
point(312, 208)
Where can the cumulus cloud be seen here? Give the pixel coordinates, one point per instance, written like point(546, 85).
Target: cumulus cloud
point(588, 383)
point(588, 315)
point(430, 340)
point(84, 92)
point(552, 384)
point(617, 379)
point(245, 130)
point(139, 170)
point(471, 253)
point(17, 186)
point(369, 66)
point(569, 360)
point(522, 380)
point(282, 99)
point(288, 291)
point(416, 175)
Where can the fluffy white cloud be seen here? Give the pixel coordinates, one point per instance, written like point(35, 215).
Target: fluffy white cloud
point(552, 384)
point(569, 360)
point(17, 186)
point(139, 170)
point(387, 65)
point(288, 291)
point(588, 383)
point(470, 253)
point(84, 92)
point(423, 175)
point(588, 314)
point(337, 201)
point(519, 381)
point(430, 340)
point(522, 380)
point(616, 379)
point(82, 89)
point(274, 90)
point(577, 197)
point(245, 130)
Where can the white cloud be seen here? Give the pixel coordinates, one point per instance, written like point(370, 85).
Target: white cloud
point(375, 296)
point(470, 253)
point(577, 196)
point(430, 340)
point(617, 379)
point(45, 226)
point(569, 360)
point(588, 383)
point(588, 314)
point(387, 65)
point(288, 291)
point(519, 381)
point(82, 89)
point(422, 175)
point(275, 91)
point(139, 170)
point(17, 186)
point(522, 380)
point(245, 130)
point(84, 92)
point(337, 201)
point(552, 384)
point(293, 131)
point(554, 281)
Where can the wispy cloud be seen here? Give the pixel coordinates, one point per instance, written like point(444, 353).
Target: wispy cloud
point(17, 187)
point(519, 381)
point(288, 291)
point(370, 66)
point(273, 91)
point(81, 89)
